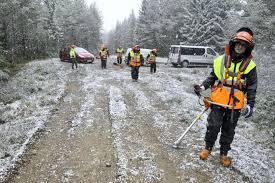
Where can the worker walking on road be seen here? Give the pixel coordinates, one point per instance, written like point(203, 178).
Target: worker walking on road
point(72, 56)
point(135, 58)
point(104, 54)
point(151, 59)
point(235, 75)
point(119, 52)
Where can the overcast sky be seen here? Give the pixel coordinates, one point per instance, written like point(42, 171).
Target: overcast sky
point(115, 10)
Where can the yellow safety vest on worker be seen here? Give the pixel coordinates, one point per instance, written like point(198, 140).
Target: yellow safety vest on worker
point(135, 59)
point(72, 53)
point(221, 93)
point(104, 54)
point(151, 58)
point(119, 52)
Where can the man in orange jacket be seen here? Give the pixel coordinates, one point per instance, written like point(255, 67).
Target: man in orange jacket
point(235, 75)
point(135, 58)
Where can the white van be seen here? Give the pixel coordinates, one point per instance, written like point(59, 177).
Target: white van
point(143, 51)
point(184, 56)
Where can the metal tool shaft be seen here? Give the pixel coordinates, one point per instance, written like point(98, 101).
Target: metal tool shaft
point(176, 143)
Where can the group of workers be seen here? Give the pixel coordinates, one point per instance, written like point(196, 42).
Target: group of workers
point(233, 77)
point(134, 58)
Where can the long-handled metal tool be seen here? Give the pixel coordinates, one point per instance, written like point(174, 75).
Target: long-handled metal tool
point(207, 103)
point(177, 142)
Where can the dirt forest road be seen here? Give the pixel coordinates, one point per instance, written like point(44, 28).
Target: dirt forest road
point(106, 128)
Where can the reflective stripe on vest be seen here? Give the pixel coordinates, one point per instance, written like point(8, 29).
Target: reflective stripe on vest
point(72, 53)
point(135, 59)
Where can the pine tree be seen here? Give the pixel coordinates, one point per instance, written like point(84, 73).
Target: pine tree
point(94, 25)
point(131, 27)
point(170, 18)
point(203, 24)
point(256, 15)
point(148, 26)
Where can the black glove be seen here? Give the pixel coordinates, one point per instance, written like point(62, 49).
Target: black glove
point(197, 90)
point(247, 112)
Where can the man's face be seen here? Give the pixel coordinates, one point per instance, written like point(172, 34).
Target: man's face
point(240, 47)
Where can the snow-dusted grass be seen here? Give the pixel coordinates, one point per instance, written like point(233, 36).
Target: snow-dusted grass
point(3, 76)
point(39, 86)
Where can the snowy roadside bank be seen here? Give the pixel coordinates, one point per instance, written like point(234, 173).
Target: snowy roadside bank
point(37, 88)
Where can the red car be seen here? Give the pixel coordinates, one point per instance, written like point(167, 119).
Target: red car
point(82, 55)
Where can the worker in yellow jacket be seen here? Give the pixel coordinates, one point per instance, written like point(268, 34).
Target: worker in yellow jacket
point(234, 76)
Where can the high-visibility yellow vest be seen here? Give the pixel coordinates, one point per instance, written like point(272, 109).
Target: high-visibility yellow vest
point(152, 58)
point(135, 59)
point(103, 54)
point(119, 52)
point(221, 93)
point(72, 53)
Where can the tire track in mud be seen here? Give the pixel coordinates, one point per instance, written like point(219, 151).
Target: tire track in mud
point(83, 156)
point(155, 131)
point(94, 147)
point(146, 160)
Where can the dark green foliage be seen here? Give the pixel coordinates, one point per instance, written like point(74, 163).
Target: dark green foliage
point(162, 23)
point(10, 68)
point(38, 29)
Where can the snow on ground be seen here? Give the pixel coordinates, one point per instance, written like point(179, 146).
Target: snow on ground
point(38, 88)
point(164, 101)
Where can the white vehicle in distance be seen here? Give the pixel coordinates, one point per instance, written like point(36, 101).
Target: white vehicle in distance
point(143, 51)
point(184, 56)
